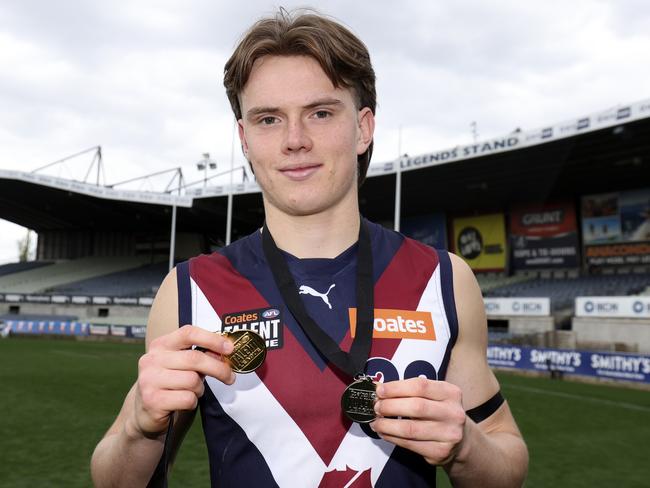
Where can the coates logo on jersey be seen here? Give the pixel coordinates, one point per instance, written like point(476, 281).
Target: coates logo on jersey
point(398, 324)
point(267, 322)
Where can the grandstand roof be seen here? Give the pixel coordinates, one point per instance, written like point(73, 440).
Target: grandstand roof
point(574, 161)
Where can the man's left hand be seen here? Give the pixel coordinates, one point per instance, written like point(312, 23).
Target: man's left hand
point(432, 418)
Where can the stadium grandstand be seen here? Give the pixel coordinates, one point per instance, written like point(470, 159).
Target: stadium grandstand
point(555, 223)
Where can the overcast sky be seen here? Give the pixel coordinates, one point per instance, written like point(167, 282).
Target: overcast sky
point(143, 78)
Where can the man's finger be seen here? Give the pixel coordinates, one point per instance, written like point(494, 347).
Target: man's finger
point(204, 364)
point(412, 407)
point(181, 380)
point(417, 430)
point(188, 336)
point(419, 387)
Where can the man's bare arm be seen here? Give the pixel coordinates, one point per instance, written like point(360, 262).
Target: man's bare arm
point(492, 452)
point(169, 380)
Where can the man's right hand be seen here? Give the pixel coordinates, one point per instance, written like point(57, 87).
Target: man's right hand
point(170, 377)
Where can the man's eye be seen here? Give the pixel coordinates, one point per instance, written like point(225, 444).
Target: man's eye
point(322, 114)
point(268, 120)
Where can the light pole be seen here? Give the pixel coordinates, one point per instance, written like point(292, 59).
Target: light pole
point(203, 165)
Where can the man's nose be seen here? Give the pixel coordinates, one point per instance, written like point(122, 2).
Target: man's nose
point(296, 137)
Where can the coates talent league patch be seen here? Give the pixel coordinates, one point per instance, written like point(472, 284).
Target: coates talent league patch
point(267, 322)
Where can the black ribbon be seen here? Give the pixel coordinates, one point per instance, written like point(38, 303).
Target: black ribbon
point(351, 363)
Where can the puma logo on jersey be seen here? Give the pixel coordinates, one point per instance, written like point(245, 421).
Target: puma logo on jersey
point(308, 290)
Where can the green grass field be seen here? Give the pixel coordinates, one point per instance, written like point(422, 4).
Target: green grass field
point(57, 397)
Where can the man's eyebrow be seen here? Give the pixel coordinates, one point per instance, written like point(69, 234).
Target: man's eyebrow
point(261, 110)
point(329, 101)
point(323, 101)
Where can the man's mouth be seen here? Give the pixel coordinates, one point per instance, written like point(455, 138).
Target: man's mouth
point(300, 172)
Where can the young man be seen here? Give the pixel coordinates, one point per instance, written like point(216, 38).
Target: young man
point(302, 90)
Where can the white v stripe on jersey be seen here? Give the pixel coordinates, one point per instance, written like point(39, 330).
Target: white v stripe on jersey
point(290, 457)
point(203, 315)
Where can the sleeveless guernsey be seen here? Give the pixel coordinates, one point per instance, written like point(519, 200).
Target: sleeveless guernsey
point(282, 425)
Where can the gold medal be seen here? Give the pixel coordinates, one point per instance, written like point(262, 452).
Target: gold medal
point(249, 350)
point(358, 400)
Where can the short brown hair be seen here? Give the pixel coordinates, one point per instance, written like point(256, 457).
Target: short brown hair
point(342, 56)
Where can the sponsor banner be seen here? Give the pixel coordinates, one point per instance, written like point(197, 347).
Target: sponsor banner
point(118, 330)
point(101, 301)
point(38, 298)
point(544, 236)
point(76, 300)
point(616, 366)
point(618, 254)
point(428, 229)
point(398, 324)
point(99, 329)
point(215, 191)
point(47, 327)
point(137, 331)
point(125, 301)
point(518, 140)
point(636, 307)
point(98, 191)
point(481, 241)
point(616, 228)
point(531, 307)
point(267, 322)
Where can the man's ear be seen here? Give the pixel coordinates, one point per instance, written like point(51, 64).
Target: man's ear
point(242, 137)
point(366, 129)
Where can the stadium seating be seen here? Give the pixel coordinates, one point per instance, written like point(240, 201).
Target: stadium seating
point(491, 281)
point(563, 291)
point(7, 269)
point(41, 279)
point(141, 282)
point(38, 317)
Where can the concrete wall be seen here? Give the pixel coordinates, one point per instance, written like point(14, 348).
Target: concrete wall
point(526, 325)
point(128, 315)
point(633, 333)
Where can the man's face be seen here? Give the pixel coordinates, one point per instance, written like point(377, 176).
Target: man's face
point(302, 135)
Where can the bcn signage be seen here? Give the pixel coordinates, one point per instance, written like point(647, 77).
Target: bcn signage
point(635, 307)
point(528, 307)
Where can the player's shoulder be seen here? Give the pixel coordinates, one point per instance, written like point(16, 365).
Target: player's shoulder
point(463, 274)
point(163, 317)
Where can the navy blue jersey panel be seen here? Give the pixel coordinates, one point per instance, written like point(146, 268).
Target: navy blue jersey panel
point(447, 285)
point(405, 468)
point(228, 442)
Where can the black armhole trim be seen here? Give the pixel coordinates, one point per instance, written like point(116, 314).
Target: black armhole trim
point(449, 302)
point(184, 293)
point(484, 410)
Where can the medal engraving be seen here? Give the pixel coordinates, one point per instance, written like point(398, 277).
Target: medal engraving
point(249, 350)
point(358, 401)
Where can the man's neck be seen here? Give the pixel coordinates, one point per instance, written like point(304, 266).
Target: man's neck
point(322, 235)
